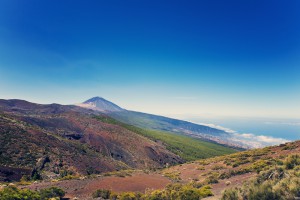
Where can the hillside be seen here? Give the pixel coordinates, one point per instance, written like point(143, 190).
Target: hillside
point(57, 141)
point(186, 147)
point(268, 173)
point(161, 123)
point(62, 140)
point(236, 170)
point(85, 153)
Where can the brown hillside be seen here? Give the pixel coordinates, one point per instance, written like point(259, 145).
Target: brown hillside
point(59, 139)
point(229, 171)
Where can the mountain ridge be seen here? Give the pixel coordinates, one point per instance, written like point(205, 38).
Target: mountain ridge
point(161, 123)
point(71, 140)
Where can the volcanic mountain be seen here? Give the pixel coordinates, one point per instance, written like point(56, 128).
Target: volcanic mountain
point(155, 122)
point(101, 104)
point(58, 140)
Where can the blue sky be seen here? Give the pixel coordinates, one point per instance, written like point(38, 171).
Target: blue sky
point(225, 58)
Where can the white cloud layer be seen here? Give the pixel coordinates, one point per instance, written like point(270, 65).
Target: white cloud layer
point(260, 140)
point(249, 139)
point(228, 130)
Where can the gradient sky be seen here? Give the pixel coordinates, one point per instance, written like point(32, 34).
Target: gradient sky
point(226, 58)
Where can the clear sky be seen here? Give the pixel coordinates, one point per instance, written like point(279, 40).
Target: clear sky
point(237, 58)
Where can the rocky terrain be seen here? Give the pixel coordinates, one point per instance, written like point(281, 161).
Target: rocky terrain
point(220, 173)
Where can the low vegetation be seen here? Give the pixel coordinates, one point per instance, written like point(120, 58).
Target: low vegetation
point(174, 176)
point(121, 173)
point(172, 191)
point(102, 193)
point(22, 146)
point(276, 183)
point(186, 147)
point(271, 173)
point(13, 193)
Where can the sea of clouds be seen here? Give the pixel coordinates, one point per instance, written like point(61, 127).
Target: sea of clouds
point(249, 139)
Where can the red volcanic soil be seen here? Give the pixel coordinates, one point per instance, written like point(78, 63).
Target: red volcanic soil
point(197, 171)
point(83, 189)
point(189, 172)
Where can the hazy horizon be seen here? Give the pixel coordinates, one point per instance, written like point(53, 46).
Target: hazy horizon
point(261, 130)
point(156, 108)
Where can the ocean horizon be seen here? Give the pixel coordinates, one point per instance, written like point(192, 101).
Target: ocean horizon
point(288, 129)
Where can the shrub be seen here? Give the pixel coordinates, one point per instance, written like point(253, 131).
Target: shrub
point(259, 165)
point(13, 193)
point(212, 179)
point(179, 191)
point(292, 161)
point(217, 167)
point(51, 193)
point(262, 191)
point(174, 176)
point(129, 196)
point(230, 194)
point(25, 178)
point(205, 191)
point(273, 184)
point(189, 193)
point(201, 168)
point(69, 177)
point(225, 175)
point(36, 176)
point(63, 173)
point(113, 196)
point(288, 188)
point(105, 194)
point(272, 174)
point(196, 184)
point(242, 170)
point(289, 147)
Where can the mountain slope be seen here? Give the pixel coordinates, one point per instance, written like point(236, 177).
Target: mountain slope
point(161, 123)
point(69, 138)
point(58, 140)
point(268, 173)
point(250, 171)
point(186, 147)
point(23, 145)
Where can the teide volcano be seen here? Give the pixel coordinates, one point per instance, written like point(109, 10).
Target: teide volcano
point(161, 123)
point(101, 104)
